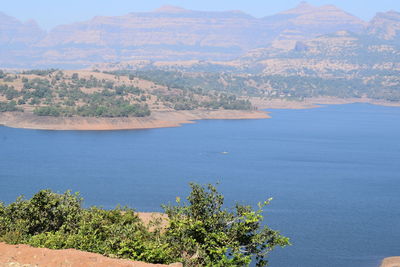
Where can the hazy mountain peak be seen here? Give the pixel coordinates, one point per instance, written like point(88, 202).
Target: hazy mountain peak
point(5, 17)
point(32, 23)
point(331, 7)
point(13, 31)
point(171, 9)
point(307, 21)
point(3, 14)
point(238, 12)
point(302, 7)
point(391, 14)
point(385, 25)
point(306, 8)
point(186, 34)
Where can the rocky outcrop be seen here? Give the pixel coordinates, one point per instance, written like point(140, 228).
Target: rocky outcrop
point(306, 21)
point(341, 54)
point(163, 34)
point(168, 33)
point(385, 26)
point(14, 32)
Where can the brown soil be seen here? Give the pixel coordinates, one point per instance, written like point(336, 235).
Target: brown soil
point(27, 256)
point(313, 102)
point(148, 217)
point(163, 119)
point(391, 262)
point(158, 119)
point(23, 255)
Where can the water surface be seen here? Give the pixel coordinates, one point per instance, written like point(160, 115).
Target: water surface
point(334, 174)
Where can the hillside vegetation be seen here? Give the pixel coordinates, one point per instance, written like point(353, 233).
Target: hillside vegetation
point(304, 52)
point(294, 84)
point(94, 94)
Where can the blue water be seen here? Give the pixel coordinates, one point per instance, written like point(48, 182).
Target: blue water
point(334, 174)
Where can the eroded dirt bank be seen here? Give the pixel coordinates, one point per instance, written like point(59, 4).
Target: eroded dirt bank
point(27, 256)
point(391, 262)
point(163, 119)
point(158, 119)
point(23, 255)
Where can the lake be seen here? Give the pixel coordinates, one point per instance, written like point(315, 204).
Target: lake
point(334, 174)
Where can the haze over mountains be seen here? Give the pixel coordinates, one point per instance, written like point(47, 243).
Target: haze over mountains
point(172, 34)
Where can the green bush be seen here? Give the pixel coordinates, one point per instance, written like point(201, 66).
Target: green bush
point(48, 111)
point(44, 212)
point(9, 106)
point(200, 232)
point(203, 233)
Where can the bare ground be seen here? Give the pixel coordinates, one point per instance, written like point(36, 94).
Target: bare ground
point(163, 119)
point(314, 102)
point(391, 262)
point(158, 119)
point(27, 256)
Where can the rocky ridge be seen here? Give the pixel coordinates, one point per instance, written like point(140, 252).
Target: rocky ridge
point(169, 33)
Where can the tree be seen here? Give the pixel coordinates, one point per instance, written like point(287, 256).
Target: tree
point(47, 111)
point(198, 233)
point(45, 212)
point(75, 76)
point(203, 233)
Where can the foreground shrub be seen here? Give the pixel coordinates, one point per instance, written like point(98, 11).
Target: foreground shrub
point(199, 232)
point(203, 233)
point(44, 212)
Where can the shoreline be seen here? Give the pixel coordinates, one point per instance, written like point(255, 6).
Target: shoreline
point(317, 102)
point(390, 262)
point(158, 119)
point(167, 119)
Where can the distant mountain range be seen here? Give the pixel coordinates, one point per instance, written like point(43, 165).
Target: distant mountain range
point(175, 34)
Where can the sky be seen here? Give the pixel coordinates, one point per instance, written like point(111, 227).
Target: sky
point(50, 13)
